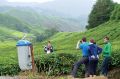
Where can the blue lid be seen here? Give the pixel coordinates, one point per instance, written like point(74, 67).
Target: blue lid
point(23, 43)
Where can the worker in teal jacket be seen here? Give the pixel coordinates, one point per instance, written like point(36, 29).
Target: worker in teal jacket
point(107, 56)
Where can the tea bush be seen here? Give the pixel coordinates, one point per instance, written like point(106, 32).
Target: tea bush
point(116, 59)
point(61, 63)
point(56, 64)
point(9, 69)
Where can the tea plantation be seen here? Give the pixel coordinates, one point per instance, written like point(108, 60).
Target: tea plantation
point(65, 54)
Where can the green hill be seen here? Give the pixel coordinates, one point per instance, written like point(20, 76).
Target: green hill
point(66, 41)
point(65, 53)
point(28, 16)
point(9, 34)
point(41, 19)
point(13, 23)
point(12, 28)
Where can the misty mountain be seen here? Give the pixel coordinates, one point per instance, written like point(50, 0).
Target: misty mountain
point(73, 8)
point(41, 19)
point(78, 9)
point(67, 7)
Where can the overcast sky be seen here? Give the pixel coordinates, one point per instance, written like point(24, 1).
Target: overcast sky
point(118, 1)
point(68, 7)
point(41, 1)
point(28, 1)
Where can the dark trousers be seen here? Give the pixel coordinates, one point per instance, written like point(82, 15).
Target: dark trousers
point(76, 65)
point(105, 66)
point(92, 66)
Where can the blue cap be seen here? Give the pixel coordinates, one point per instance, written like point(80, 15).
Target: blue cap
point(23, 43)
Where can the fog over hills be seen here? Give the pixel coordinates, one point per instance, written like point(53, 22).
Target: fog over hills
point(68, 7)
point(74, 10)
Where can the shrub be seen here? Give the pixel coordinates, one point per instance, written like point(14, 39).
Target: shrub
point(116, 59)
point(9, 69)
point(56, 64)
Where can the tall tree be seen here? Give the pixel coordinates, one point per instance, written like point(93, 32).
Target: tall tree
point(116, 13)
point(101, 13)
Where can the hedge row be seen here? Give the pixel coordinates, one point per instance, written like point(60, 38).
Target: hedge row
point(61, 63)
point(56, 64)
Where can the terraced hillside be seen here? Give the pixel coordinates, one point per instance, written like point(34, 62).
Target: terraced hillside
point(66, 41)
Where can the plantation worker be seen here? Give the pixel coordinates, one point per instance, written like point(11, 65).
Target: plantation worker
point(49, 44)
point(48, 48)
point(94, 52)
point(107, 56)
point(84, 60)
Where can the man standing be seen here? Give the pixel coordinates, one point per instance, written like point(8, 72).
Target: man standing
point(107, 57)
point(84, 60)
point(94, 52)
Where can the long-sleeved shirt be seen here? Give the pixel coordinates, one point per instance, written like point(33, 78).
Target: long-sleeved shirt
point(107, 50)
point(84, 47)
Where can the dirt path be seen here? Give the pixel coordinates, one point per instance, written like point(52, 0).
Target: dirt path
point(17, 77)
point(98, 77)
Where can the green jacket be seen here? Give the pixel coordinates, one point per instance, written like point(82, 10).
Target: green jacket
point(107, 50)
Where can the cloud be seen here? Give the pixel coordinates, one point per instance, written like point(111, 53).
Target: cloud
point(118, 1)
point(3, 1)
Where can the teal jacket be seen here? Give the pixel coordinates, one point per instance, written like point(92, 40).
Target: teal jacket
point(84, 47)
point(107, 50)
